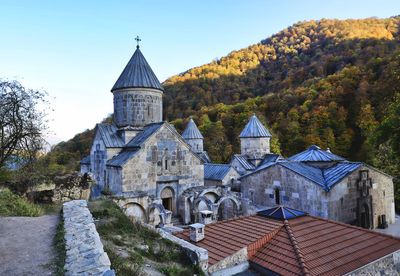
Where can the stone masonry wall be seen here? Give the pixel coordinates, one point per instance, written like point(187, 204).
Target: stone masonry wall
point(388, 265)
point(84, 251)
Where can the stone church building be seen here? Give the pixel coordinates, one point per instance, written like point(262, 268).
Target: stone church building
point(164, 177)
point(158, 173)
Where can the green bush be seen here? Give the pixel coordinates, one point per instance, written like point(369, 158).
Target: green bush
point(13, 205)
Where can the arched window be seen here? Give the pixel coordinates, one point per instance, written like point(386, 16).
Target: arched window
point(277, 198)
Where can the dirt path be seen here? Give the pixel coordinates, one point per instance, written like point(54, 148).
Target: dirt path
point(26, 245)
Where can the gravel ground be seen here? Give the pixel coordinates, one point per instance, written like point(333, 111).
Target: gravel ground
point(26, 245)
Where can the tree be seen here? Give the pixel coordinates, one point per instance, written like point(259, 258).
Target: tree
point(22, 122)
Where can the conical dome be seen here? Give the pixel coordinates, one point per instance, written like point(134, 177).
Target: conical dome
point(254, 129)
point(137, 74)
point(191, 131)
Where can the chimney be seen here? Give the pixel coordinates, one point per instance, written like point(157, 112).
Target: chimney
point(196, 232)
point(206, 216)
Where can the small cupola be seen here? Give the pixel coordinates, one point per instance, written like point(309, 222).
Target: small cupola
point(196, 232)
point(193, 137)
point(254, 138)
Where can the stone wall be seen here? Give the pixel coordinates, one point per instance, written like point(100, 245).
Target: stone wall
point(387, 265)
point(254, 146)
point(137, 106)
point(63, 188)
point(295, 191)
point(84, 251)
point(340, 203)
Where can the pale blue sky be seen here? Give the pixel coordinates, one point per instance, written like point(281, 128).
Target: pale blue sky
point(76, 49)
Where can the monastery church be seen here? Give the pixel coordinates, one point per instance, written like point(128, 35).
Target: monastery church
point(163, 178)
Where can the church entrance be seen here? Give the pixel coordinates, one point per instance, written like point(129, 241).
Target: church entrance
point(167, 197)
point(365, 223)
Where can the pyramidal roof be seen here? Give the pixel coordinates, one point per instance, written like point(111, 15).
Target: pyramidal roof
point(254, 128)
point(137, 73)
point(282, 212)
point(315, 154)
point(191, 131)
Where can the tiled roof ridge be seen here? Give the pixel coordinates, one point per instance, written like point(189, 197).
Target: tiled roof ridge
point(255, 246)
point(297, 250)
point(356, 227)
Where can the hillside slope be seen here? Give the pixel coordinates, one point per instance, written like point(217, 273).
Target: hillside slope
point(329, 82)
point(324, 82)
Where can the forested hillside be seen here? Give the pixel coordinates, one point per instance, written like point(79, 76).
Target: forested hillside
point(333, 83)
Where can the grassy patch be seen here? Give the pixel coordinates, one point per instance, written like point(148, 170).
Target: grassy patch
point(174, 270)
point(58, 261)
point(13, 205)
point(130, 245)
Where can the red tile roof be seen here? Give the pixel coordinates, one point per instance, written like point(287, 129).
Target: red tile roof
point(224, 238)
point(304, 245)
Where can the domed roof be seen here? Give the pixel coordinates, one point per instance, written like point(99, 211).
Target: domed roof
point(191, 131)
point(137, 73)
point(254, 129)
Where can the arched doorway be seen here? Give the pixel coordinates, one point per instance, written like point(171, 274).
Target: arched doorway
point(365, 217)
point(135, 211)
point(227, 209)
point(168, 199)
point(211, 196)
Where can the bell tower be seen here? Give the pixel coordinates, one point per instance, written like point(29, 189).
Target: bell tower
point(137, 94)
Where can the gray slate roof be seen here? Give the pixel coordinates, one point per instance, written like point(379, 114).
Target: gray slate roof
point(254, 129)
point(216, 171)
point(244, 162)
point(270, 157)
point(120, 159)
point(86, 160)
point(324, 177)
point(145, 134)
point(191, 131)
point(137, 73)
point(109, 135)
point(315, 154)
point(204, 157)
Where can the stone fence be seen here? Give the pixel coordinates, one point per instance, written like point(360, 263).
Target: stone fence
point(62, 188)
point(84, 251)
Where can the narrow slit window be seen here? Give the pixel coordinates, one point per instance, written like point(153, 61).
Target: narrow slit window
point(166, 164)
point(277, 198)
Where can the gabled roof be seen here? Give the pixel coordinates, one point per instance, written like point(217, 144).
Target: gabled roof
point(137, 73)
point(282, 212)
point(311, 245)
point(216, 171)
point(242, 159)
point(254, 129)
point(191, 131)
point(120, 159)
point(315, 154)
point(145, 134)
point(204, 157)
point(270, 157)
point(86, 160)
point(324, 177)
point(304, 245)
point(224, 238)
point(109, 135)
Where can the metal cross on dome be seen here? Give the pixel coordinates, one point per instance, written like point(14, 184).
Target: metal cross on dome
point(138, 40)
